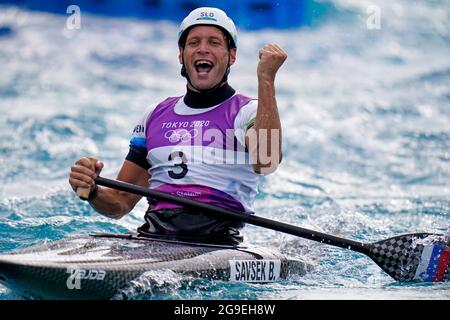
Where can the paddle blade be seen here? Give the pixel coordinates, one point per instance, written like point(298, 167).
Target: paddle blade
point(420, 257)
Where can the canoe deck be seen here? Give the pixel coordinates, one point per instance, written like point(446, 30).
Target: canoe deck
point(100, 266)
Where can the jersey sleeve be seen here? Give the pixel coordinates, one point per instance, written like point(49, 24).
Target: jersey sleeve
point(244, 120)
point(138, 142)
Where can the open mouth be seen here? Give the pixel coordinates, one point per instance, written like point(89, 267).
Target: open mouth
point(203, 66)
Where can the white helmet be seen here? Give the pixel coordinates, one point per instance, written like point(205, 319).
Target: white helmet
point(208, 16)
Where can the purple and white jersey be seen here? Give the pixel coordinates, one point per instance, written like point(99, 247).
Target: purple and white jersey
point(200, 153)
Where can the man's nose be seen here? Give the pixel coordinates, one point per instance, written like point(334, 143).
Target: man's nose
point(204, 46)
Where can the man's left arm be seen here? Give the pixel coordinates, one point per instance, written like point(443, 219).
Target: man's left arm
point(264, 138)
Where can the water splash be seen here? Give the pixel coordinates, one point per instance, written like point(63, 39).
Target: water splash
point(151, 284)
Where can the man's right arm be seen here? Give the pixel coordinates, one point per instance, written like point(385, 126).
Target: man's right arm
point(109, 202)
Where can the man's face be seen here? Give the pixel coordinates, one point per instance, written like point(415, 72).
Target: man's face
point(206, 56)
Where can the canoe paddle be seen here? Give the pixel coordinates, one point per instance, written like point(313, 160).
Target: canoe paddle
point(418, 257)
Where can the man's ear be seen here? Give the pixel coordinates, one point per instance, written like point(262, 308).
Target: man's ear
point(180, 55)
point(233, 52)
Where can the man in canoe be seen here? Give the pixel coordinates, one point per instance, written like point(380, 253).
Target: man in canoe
point(209, 145)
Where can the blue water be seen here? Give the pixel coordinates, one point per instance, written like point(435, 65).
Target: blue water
point(366, 120)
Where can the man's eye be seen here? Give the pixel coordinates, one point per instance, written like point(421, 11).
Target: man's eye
point(215, 42)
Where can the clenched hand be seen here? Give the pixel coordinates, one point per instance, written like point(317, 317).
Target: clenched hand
point(271, 57)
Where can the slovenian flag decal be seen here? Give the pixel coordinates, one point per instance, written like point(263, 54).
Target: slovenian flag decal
point(433, 263)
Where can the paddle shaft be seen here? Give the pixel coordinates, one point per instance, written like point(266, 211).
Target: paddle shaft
point(237, 216)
